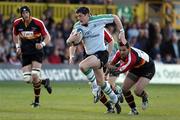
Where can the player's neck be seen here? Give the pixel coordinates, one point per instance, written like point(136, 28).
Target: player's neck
point(27, 22)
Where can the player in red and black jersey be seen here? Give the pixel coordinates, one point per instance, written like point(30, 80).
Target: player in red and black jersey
point(140, 69)
point(30, 36)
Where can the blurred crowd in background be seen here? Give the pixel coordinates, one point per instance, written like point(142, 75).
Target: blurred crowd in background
point(162, 44)
point(67, 1)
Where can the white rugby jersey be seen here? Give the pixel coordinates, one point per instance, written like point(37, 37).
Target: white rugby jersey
point(93, 34)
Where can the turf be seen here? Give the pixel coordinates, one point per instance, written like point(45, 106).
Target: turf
point(73, 101)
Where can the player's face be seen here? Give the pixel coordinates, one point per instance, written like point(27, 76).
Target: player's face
point(83, 18)
point(124, 52)
point(25, 15)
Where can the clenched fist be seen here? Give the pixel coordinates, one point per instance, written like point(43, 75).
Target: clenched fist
point(39, 46)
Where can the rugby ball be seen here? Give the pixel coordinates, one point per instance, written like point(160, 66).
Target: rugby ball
point(75, 37)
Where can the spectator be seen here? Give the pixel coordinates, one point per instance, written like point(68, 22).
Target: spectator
point(13, 59)
point(55, 57)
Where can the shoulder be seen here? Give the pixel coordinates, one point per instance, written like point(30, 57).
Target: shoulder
point(37, 21)
point(77, 24)
point(101, 16)
point(17, 21)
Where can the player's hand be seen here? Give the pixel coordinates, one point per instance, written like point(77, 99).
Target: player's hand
point(114, 72)
point(39, 46)
point(18, 51)
point(73, 39)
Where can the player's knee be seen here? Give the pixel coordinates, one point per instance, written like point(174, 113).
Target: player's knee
point(137, 92)
point(35, 74)
point(82, 67)
point(27, 77)
point(125, 90)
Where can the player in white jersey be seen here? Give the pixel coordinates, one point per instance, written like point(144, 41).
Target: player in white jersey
point(92, 30)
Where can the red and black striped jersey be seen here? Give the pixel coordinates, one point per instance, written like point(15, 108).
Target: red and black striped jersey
point(135, 59)
point(107, 37)
point(29, 34)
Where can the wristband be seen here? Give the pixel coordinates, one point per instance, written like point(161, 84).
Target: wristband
point(43, 44)
point(121, 30)
point(17, 45)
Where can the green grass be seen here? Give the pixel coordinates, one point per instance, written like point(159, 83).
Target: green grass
point(73, 101)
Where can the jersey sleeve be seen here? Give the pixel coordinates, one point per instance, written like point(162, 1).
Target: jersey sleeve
point(103, 18)
point(42, 27)
point(106, 18)
point(116, 58)
point(107, 36)
point(15, 31)
point(44, 31)
point(128, 64)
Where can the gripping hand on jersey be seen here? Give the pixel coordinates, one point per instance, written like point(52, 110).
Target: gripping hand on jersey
point(113, 70)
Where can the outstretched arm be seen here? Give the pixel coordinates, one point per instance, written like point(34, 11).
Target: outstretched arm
point(120, 28)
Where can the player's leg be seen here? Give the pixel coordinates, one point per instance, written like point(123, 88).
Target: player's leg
point(106, 103)
point(96, 90)
point(36, 69)
point(46, 82)
point(146, 74)
point(140, 92)
point(26, 68)
point(93, 62)
point(27, 78)
point(127, 85)
point(106, 88)
point(88, 71)
point(116, 88)
point(27, 73)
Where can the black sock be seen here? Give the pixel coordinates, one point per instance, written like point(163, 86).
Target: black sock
point(37, 90)
point(129, 99)
point(43, 81)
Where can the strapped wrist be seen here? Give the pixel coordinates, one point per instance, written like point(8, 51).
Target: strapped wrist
point(43, 44)
point(17, 45)
point(121, 30)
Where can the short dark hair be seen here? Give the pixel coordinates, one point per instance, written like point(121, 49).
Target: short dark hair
point(24, 8)
point(83, 10)
point(122, 44)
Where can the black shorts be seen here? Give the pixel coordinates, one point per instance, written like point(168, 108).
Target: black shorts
point(27, 59)
point(147, 70)
point(102, 56)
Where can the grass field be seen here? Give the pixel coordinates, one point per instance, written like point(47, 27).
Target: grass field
point(73, 101)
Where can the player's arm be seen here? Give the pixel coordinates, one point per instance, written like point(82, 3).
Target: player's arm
point(47, 39)
point(16, 40)
point(45, 34)
point(119, 28)
point(72, 50)
point(75, 37)
point(112, 64)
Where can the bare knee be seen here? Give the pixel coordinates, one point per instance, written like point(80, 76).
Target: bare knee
point(138, 92)
point(83, 67)
point(35, 75)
